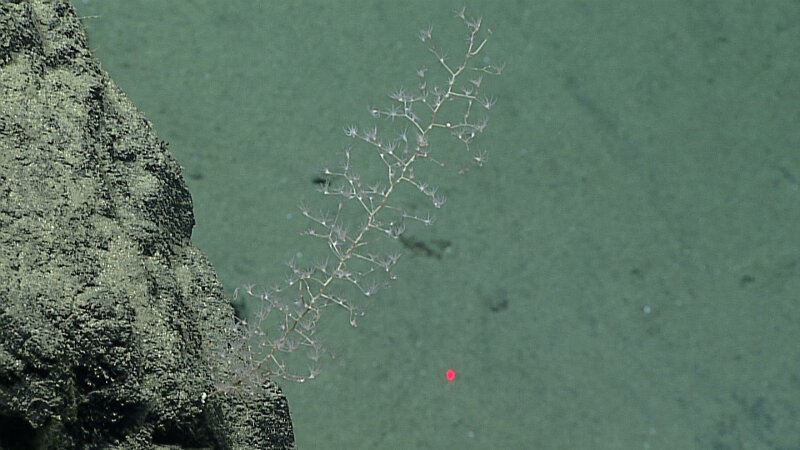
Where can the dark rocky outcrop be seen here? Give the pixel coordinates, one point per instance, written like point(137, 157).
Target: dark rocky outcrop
point(109, 317)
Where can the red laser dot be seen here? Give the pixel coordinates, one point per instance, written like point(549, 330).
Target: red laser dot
point(450, 375)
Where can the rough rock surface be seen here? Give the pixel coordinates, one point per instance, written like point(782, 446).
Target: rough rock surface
point(109, 318)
